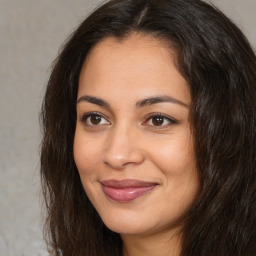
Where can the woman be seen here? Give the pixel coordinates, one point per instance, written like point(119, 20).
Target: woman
point(149, 138)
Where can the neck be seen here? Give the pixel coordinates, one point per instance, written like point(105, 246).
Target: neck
point(164, 244)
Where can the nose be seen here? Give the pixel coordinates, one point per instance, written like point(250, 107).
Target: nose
point(123, 148)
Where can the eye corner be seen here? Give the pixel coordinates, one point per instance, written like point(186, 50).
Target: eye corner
point(160, 121)
point(98, 121)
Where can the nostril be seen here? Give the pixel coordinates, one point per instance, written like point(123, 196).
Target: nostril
point(120, 161)
point(122, 148)
point(116, 161)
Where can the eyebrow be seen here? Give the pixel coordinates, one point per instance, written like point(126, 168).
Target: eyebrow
point(141, 103)
point(94, 100)
point(159, 99)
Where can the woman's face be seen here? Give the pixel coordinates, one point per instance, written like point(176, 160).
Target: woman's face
point(133, 143)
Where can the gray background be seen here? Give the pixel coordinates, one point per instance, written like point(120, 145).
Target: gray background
point(31, 32)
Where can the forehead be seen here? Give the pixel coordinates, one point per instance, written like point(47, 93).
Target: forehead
point(133, 46)
point(134, 41)
point(139, 64)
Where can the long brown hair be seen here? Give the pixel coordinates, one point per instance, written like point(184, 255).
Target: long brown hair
point(220, 67)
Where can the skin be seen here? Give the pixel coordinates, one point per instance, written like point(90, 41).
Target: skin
point(126, 142)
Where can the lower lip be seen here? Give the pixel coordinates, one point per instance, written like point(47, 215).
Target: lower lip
point(126, 194)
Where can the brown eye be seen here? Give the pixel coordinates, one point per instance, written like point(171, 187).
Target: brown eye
point(95, 119)
point(158, 120)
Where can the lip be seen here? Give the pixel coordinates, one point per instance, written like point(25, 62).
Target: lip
point(126, 190)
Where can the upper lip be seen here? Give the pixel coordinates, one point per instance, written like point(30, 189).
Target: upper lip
point(127, 183)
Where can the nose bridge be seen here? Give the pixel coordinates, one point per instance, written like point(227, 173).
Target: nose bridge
point(122, 148)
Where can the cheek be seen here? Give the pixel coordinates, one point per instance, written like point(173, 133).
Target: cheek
point(175, 159)
point(175, 154)
point(86, 154)
point(177, 164)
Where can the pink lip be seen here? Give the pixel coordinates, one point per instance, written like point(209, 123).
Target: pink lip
point(126, 190)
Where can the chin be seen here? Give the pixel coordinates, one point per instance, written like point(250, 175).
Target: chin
point(127, 228)
point(125, 224)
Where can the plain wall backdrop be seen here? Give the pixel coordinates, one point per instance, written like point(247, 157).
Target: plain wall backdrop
point(31, 32)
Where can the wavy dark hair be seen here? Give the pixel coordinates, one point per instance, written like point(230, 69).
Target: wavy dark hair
point(220, 67)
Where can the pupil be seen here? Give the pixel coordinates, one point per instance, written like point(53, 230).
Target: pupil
point(95, 119)
point(158, 120)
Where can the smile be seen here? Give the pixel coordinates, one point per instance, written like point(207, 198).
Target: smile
point(126, 190)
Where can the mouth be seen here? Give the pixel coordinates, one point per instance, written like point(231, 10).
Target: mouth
point(126, 190)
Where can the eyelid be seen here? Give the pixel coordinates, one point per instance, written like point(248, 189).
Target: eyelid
point(172, 121)
point(88, 114)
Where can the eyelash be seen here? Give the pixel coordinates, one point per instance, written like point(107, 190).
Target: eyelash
point(86, 116)
point(171, 121)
